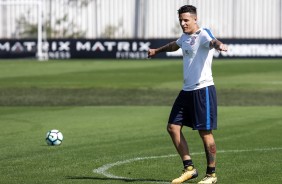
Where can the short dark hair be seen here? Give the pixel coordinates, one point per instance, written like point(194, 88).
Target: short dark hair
point(187, 8)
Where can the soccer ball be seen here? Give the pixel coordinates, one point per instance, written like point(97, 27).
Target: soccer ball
point(54, 137)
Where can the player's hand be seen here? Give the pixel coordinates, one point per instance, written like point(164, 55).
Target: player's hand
point(151, 53)
point(222, 47)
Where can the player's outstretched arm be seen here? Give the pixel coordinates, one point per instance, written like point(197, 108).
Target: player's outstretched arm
point(218, 45)
point(170, 47)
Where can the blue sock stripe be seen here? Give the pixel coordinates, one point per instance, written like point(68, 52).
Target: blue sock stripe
point(208, 126)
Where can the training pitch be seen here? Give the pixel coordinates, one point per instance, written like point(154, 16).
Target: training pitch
point(113, 115)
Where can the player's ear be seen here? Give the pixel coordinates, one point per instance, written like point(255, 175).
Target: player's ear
point(195, 18)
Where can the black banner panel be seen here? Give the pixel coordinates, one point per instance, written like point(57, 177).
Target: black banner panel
point(131, 48)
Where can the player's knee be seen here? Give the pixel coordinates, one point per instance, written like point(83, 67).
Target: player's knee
point(171, 129)
point(204, 133)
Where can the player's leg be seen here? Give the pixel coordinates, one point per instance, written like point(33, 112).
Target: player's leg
point(178, 117)
point(210, 146)
point(210, 150)
point(176, 121)
point(208, 122)
point(181, 146)
point(179, 141)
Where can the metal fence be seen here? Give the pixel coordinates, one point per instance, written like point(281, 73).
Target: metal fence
point(142, 19)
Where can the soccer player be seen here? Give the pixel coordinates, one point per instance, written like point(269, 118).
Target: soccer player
point(196, 104)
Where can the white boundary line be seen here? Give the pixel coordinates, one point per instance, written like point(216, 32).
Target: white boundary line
point(103, 170)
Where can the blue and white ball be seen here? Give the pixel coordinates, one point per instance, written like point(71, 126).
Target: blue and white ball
point(54, 137)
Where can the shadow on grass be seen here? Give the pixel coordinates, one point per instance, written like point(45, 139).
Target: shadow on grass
point(116, 179)
point(123, 179)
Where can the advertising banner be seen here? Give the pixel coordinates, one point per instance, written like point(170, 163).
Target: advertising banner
point(131, 48)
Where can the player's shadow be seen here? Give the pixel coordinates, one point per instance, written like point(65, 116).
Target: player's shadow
point(115, 179)
point(121, 179)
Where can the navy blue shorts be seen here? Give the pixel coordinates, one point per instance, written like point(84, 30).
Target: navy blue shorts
point(196, 109)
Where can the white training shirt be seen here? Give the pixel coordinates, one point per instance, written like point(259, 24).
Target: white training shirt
point(197, 59)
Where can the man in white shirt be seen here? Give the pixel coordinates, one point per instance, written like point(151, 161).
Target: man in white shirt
point(196, 104)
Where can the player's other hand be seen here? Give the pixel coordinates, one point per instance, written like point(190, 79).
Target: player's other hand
point(222, 47)
point(151, 53)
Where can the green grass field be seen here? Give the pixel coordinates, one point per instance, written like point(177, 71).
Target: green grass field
point(113, 116)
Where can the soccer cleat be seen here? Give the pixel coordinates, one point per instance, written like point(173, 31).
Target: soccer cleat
point(209, 179)
point(187, 174)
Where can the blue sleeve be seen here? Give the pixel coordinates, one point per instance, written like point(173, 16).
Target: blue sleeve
point(207, 37)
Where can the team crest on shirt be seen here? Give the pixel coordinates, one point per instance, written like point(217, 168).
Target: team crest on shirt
point(193, 40)
point(189, 45)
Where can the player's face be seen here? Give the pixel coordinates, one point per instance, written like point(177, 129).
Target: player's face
point(188, 23)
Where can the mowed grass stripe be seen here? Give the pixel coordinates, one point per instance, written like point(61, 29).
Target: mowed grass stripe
point(128, 97)
point(126, 82)
point(95, 136)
